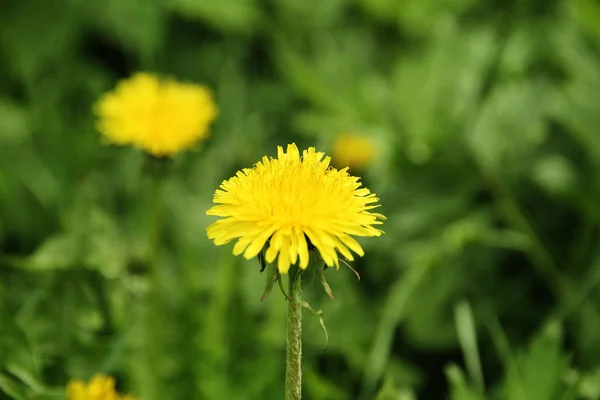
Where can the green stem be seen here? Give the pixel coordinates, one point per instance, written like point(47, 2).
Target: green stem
point(156, 225)
point(293, 370)
point(155, 342)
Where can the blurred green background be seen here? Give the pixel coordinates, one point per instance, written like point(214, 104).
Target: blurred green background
point(486, 120)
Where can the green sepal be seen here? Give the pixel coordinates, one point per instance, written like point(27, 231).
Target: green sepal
point(319, 314)
point(157, 167)
point(261, 260)
point(280, 283)
point(325, 285)
point(352, 269)
point(317, 265)
point(272, 276)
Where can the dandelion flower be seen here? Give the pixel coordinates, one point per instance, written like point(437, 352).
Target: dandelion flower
point(291, 204)
point(100, 387)
point(162, 117)
point(352, 150)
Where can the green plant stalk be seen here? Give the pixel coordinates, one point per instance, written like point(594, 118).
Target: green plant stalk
point(293, 369)
point(155, 313)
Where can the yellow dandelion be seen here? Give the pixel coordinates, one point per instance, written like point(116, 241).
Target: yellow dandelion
point(292, 203)
point(352, 150)
point(100, 387)
point(162, 117)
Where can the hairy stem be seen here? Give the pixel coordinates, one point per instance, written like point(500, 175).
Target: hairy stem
point(293, 370)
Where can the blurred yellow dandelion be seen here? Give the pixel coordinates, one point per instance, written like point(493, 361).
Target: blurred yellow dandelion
point(162, 117)
point(352, 150)
point(292, 203)
point(100, 387)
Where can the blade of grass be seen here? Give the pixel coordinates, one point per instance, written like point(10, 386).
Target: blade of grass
point(467, 338)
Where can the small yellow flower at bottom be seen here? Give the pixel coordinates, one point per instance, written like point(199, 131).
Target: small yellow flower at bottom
point(159, 116)
point(353, 150)
point(100, 387)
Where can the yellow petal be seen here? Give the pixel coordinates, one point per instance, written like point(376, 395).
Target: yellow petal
point(283, 261)
point(259, 242)
point(302, 248)
point(352, 244)
point(271, 253)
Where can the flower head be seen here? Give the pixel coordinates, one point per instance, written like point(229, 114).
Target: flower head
point(290, 203)
point(100, 387)
point(162, 117)
point(355, 151)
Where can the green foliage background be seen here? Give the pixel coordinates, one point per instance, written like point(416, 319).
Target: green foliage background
point(486, 115)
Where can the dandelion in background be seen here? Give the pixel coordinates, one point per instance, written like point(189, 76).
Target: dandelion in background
point(353, 150)
point(162, 117)
point(302, 212)
point(100, 387)
point(292, 204)
point(159, 116)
